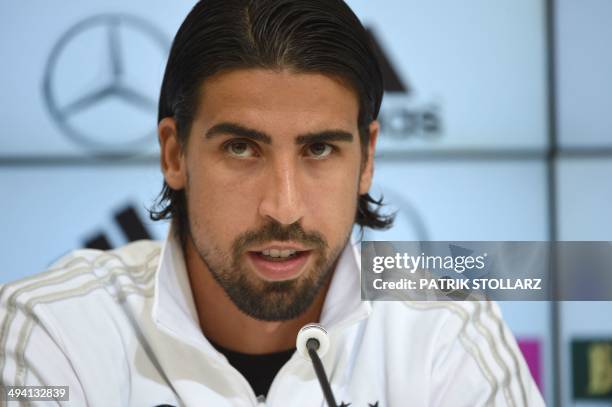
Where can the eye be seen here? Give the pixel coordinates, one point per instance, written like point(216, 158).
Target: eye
point(320, 150)
point(240, 148)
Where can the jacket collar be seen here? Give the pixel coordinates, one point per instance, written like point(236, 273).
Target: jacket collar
point(173, 304)
point(174, 308)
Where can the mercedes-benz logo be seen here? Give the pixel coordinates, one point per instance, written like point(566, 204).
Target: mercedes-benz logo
point(101, 81)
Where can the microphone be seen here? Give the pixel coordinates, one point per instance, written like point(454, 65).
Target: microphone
point(313, 342)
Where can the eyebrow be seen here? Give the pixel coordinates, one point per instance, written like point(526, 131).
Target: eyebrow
point(308, 138)
point(237, 130)
point(324, 136)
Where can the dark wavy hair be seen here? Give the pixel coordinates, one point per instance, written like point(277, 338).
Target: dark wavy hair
point(309, 36)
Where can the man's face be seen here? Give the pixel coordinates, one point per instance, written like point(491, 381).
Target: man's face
point(272, 171)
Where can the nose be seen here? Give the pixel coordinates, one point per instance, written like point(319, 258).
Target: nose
point(281, 198)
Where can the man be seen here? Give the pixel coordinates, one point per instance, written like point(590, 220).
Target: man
point(267, 129)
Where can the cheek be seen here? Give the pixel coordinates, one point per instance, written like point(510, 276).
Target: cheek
point(332, 201)
point(220, 207)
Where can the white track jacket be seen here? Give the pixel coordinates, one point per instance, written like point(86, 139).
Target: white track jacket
point(120, 328)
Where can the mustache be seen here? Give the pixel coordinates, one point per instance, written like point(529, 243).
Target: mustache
point(278, 232)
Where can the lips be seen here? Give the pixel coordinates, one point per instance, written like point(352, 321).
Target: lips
point(279, 264)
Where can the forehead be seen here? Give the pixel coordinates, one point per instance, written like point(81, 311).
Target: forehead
point(278, 101)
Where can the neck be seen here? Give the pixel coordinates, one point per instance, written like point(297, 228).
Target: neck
point(225, 324)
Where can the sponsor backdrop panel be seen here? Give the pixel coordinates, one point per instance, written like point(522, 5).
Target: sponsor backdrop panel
point(75, 64)
point(51, 211)
point(464, 200)
point(584, 63)
point(462, 74)
point(585, 189)
point(451, 88)
point(482, 200)
point(586, 331)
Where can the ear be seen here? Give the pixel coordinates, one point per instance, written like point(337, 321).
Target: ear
point(367, 172)
point(172, 158)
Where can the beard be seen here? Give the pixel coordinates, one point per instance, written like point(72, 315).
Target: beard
point(271, 300)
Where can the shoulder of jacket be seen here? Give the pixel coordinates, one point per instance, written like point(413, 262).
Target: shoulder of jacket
point(131, 254)
point(83, 270)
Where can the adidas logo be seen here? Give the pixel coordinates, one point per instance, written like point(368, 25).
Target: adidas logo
point(402, 116)
point(130, 224)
